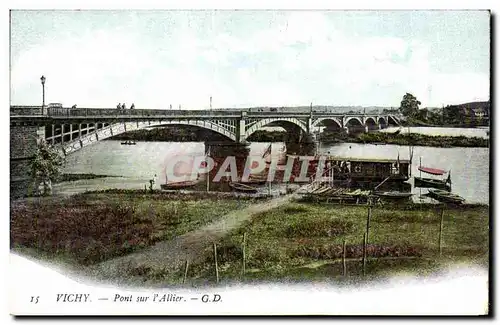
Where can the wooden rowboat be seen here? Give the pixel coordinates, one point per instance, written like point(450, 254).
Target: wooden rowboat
point(443, 184)
point(444, 196)
point(395, 195)
point(432, 171)
point(243, 188)
point(432, 183)
point(256, 179)
point(178, 185)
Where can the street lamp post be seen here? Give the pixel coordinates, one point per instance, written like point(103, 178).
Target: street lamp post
point(43, 93)
point(211, 106)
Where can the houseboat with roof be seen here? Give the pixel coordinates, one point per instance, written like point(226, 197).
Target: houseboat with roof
point(363, 173)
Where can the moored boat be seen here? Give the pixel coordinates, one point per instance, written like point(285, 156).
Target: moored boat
point(444, 196)
point(178, 185)
point(395, 195)
point(432, 171)
point(432, 183)
point(243, 187)
point(256, 179)
point(426, 182)
point(128, 142)
point(322, 190)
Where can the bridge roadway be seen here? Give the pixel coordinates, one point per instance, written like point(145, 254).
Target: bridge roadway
point(34, 112)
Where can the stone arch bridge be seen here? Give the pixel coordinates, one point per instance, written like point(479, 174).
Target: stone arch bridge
point(72, 129)
point(69, 129)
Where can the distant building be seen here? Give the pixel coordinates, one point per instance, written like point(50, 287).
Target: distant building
point(475, 113)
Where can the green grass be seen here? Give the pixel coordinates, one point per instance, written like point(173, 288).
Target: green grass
point(90, 228)
point(296, 242)
point(304, 242)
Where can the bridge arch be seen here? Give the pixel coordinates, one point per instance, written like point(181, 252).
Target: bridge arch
point(370, 121)
point(327, 122)
point(382, 121)
point(122, 127)
point(353, 121)
point(286, 123)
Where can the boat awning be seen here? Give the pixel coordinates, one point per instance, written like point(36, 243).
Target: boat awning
point(433, 171)
point(353, 159)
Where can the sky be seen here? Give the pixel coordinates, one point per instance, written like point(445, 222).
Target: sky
point(249, 58)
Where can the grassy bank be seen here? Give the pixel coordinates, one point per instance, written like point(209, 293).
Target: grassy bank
point(76, 177)
point(414, 139)
point(380, 137)
point(89, 228)
point(304, 242)
point(296, 242)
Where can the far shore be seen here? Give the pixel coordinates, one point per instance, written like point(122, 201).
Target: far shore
point(413, 139)
point(70, 177)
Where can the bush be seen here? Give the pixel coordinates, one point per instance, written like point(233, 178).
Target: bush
point(333, 251)
point(90, 233)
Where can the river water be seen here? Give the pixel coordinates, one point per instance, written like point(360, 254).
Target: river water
point(133, 166)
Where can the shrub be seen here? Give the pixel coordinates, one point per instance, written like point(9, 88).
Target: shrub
point(333, 251)
point(294, 209)
point(90, 233)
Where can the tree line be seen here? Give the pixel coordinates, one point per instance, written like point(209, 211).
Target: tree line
point(471, 114)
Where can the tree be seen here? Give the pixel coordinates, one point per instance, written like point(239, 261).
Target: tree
point(452, 115)
point(45, 167)
point(409, 105)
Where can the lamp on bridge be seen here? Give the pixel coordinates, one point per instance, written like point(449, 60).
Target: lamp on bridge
point(42, 79)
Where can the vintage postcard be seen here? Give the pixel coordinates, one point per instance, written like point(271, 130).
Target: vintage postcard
point(249, 162)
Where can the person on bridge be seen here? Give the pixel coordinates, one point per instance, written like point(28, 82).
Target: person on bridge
point(119, 106)
point(124, 106)
point(73, 107)
point(132, 106)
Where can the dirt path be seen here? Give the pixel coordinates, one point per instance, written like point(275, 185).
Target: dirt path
point(172, 254)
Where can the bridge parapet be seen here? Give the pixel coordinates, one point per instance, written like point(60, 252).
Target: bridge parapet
point(62, 112)
point(25, 110)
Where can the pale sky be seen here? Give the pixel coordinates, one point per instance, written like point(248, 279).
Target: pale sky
point(249, 58)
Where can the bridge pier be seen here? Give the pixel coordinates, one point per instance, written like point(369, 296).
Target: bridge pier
point(240, 129)
point(24, 140)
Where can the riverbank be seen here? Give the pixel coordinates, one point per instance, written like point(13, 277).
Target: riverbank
point(304, 242)
point(407, 139)
point(414, 139)
point(85, 229)
point(76, 177)
point(295, 242)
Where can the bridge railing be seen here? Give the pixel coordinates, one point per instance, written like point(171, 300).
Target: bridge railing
point(25, 110)
point(79, 112)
